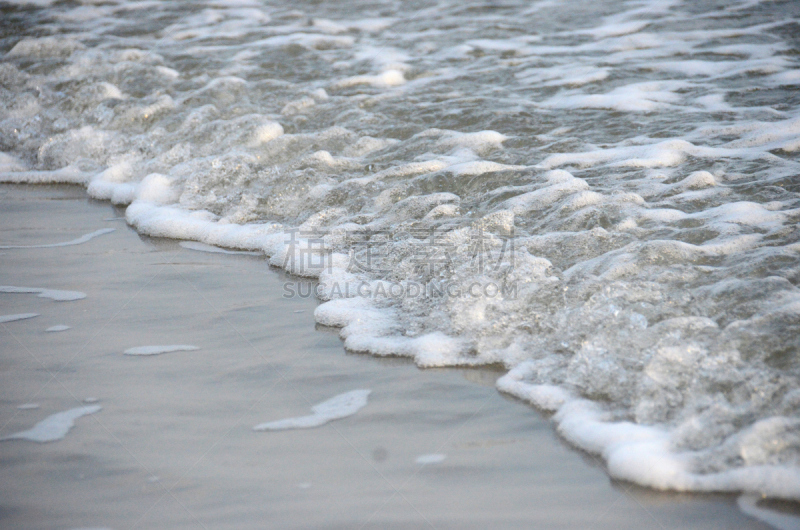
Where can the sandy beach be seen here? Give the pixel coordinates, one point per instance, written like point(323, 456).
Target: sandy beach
point(174, 447)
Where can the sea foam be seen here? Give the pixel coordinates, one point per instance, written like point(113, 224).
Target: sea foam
point(54, 427)
point(335, 408)
point(158, 350)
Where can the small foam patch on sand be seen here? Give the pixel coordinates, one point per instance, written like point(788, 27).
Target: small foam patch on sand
point(433, 458)
point(157, 350)
point(53, 294)
point(14, 318)
point(336, 408)
point(54, 427)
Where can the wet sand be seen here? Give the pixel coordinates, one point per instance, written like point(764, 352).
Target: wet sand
point(173, 446)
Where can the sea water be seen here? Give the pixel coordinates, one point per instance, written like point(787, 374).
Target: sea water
point(601, 197)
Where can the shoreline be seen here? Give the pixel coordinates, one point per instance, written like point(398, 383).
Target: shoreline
point(503, 462)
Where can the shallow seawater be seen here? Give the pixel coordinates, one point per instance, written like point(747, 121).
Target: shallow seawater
point(176, 443)
point(602, 198)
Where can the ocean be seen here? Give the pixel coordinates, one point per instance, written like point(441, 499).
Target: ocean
point(601, 199)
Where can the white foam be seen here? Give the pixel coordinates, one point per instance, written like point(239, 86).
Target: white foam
point(559, 187)
point(9, 163)
point(44, 47)
point(389, 78)
point(117, 193)
point(479, 167)
point(307, 40)
point(59, 327)
point(366, 328)
point(480, 142)
point(668, 153)
point(28, 406)
point(338, 407)
point(166, 221)
point(638, 97)
point(782, 135)
point(14, 318)
point(617, 29)
point(157, 189)
point(38, 3)
point(54, 427)
point(545, 397)
point(564, 75)
point(433, 458)
point(371, 25)
point(83, 239)
point(65, 175)
point(157, 350)
point(266, 133)
point(408, 170)
point(640, 453)
point(53, 294)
